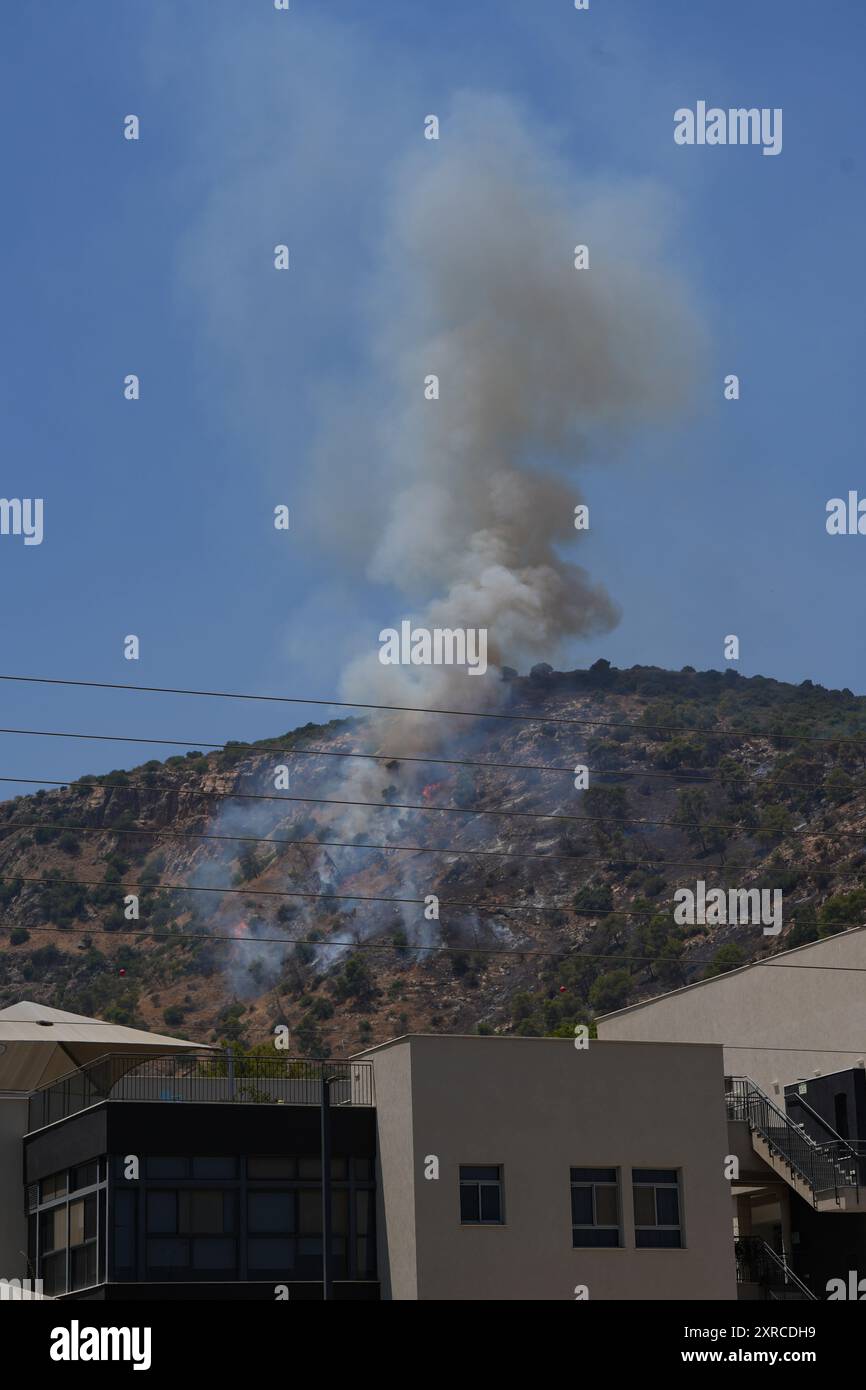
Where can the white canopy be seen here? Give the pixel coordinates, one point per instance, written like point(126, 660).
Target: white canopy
point(38, 1044)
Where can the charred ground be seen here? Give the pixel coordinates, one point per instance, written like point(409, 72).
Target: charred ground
point(550, 916)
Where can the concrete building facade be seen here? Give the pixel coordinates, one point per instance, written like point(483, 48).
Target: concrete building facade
point(540, 1111)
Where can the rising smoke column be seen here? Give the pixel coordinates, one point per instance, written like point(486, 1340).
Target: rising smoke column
point(474, 493)
point(464, 506)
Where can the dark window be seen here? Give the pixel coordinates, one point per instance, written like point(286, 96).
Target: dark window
point(481, 1195)
point(271, 1212)
point(595, 1221)
point(86, 1175)
point(53, 1187)
point(124, 1233)
point(657, 1219)
point(268, 1253)
point(267, 1168)
point(214, 1168)
point(167, 1168)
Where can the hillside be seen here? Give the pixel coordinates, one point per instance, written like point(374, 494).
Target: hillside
point(554, 912)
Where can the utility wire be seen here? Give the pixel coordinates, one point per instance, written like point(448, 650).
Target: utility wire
point(564, 956)
point(692, 776)
point(423, 709)
point(637, 859)
point(729, 828)
point(360, 897)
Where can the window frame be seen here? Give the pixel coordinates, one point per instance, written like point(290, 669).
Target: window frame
point(655, 1186)
point(592, 1183)
point(477, 1184)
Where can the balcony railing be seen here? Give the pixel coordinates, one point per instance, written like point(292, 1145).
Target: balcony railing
point(828, 1169)
point(201, 1078)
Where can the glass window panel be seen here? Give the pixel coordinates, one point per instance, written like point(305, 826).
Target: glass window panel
point(491, 1203)
point(214, 1254)
point(606, 1206)
point(363, 1169)
point(364, 1212)
point(668, 1175)
point(644, 1206)
point(269, 1252)
point(76, 1223)
point(268, 1167)
point(90, 1216)
point(214, 1167)
point(84, 1266)
point(340, 1213)
point(593, 1175)
point(339, 1169)
point(55, 1186)
point(658, 1240)
point(124, 1208)
point(271, 1211)
point(167, 1167)
point(310, 1212)
point(595, 1238)
point(581, 1206)
point(54, 1273)
point(85, 1175)
point(53, 1229)
point(162, 1212)
point(489, 1174)
point(309, 1168)
point(469, 1208)
point(201, 1213)
point(58, 1224)
point(366, 1257)
point(168, 1254)
point(668, 1206)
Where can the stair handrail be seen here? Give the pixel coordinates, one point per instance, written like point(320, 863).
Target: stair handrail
point(790, 1276)
point(814, 1150)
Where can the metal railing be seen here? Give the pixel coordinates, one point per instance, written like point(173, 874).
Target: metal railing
point(759, 1263)
point(222, 1078)
point(825, 1168)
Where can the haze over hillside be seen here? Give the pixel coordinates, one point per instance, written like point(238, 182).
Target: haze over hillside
point(261, 905)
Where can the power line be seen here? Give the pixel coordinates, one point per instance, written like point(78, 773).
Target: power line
point(563, 955)
point(635, 859)
point(145, 888)
point(380, 805)
point(423, 709)
point(692, 776)
point(342, 844)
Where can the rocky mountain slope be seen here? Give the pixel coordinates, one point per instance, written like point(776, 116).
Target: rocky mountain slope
point(261, 904)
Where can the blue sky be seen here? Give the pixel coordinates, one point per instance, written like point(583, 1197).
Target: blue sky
point(259, 127)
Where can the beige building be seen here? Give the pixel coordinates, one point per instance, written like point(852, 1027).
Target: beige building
point(794, 1015)
point(793, 1033)
point(525, 1168)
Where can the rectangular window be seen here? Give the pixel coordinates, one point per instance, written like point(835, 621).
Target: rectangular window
point(162, 1168)
point(213, 1168)
point(268, 1168)
point(53, 1187)
point(657, 1220)
point(271, 1213)
point(595, 1221)
point(481, 1195)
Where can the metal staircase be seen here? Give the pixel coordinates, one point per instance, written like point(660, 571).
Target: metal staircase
point(758, 1263)
point(825, 1174)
